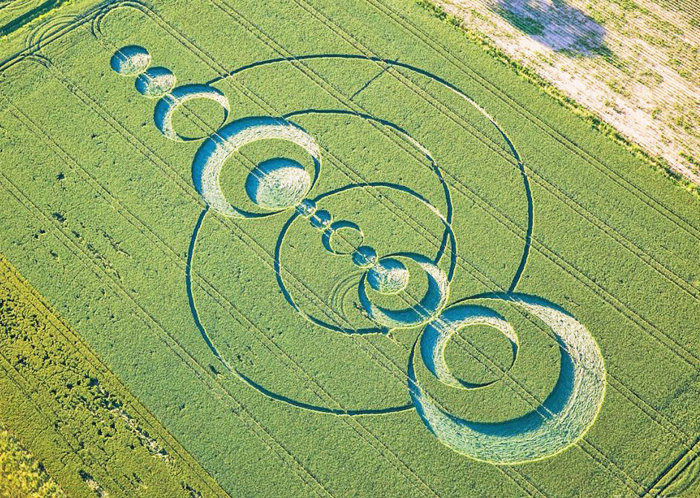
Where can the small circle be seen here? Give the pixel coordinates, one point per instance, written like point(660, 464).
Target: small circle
point(277, 183)
point(155, 82)
point(306, 208)
point(364, 256)
point(343, 237)
point(321, 219)
point(388, 276)
point(422, 311)
point(130, 60)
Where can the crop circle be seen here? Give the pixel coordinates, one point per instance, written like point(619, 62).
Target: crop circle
point(130, 60)
point(155, 82)
point(277, 183)
point(343, 237)
point(388, 276)
point(301, 271)
point(288, 182)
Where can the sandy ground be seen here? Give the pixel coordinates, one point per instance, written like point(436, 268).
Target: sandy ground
point(634, 63)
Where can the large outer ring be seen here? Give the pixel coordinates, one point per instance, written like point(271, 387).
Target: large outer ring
point(559, 421)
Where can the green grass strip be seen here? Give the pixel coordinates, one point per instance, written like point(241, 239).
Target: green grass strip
point(30, 15)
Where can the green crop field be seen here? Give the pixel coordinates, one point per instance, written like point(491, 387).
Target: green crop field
point(309, 247)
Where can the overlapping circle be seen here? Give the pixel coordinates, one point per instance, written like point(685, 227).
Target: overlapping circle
point(282, 184)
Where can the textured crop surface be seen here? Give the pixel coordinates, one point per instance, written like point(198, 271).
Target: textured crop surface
point(310, 247)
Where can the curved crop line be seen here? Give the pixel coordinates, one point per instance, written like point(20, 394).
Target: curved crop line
point(188, 285)
point(436, 169)
point(321, 409)
point(610, 300)
point(51, 26)
point(445, 52)
point(397, 128)
point(450, 86)
point(247, 380)
point(448, 235)
point(553, 189)
point(158, 161)
point(373, 442)
point(218, 147)
point(243, 377)
point(530, 222)
point(171, 342)
point(550, 187)
point(560, 420)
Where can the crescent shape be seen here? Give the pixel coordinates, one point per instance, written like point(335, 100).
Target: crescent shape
point(560, 421)
point(438, 333)
point(213, 153)
point(166, 106)
point(430, 305)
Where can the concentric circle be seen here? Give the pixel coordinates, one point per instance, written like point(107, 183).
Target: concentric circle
point(366, 257)
point(277, 183)
point(553, 425)
point(414, 313)
point(388, 276)
point(288, 181)
point(305, 113)
point(437, 334)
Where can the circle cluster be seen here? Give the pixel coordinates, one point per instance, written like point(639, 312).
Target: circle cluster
point(133, 60)
point(280, 184)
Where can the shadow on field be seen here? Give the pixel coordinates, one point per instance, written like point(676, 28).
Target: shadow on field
point(554, 23)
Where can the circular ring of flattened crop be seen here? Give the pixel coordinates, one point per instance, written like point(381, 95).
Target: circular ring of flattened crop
point(429, 306)
point(213, 153)
point(167, 105)
point(438, 333)
point(558, 422)
point(436, 274)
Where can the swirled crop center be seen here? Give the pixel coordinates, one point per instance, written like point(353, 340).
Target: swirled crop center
point(559, 421)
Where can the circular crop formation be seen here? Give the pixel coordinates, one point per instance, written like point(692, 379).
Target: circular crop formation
point(130, 60)
point(278, 184)
point(559, 421)
point(388, 276)
point(282, 184)
point(155, 82)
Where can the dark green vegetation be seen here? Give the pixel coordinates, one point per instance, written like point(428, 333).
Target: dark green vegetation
point(97, 209)
point(29, 11)
point(91, 434)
